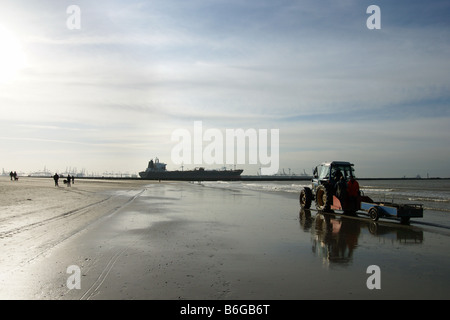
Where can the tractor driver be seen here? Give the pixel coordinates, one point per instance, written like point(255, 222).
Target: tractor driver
point(337, 176)
point(341, 189)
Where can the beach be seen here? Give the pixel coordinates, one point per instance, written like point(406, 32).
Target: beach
point(137, 239)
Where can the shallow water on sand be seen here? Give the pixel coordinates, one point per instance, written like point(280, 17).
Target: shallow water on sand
point(433, 194)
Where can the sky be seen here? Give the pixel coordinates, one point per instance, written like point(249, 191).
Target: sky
point(108, 94)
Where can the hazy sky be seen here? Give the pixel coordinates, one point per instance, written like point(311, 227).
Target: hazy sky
point(108, 96)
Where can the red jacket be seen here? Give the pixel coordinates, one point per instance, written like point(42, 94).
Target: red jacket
point(352, 188)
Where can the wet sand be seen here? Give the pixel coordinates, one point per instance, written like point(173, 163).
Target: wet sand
point(178, 240)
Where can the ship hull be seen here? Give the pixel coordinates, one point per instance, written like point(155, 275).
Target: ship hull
point(192, 175)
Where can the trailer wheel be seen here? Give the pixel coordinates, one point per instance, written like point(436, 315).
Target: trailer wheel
point(374, 213)
point(305, 198)
point(324, 198)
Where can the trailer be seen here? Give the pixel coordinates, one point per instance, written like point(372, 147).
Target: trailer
point(377, 210)
point(392, 210)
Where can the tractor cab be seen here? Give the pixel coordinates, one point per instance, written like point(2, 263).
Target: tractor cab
point(329, 173)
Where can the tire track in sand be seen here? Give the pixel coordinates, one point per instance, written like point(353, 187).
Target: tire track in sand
point(94, 288)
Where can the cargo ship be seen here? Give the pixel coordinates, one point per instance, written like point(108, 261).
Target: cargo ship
point(157, 171)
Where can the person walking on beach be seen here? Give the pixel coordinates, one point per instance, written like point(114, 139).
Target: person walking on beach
point(56, 178)
point(68, 180)
point(73, 179)
point(11, 174)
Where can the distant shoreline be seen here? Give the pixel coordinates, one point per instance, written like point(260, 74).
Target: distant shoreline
point(249, 178)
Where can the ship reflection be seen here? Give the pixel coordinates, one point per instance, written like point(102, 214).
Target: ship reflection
point(335, 237)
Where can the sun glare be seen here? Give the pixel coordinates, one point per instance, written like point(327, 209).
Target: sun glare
point(12, 57)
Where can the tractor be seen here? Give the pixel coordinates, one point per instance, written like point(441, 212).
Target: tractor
point(329, 188)
point(334, 188)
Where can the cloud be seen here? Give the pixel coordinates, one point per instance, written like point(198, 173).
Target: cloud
point(138, 70)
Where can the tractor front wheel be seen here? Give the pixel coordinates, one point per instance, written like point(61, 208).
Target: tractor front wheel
point(324, 198)
point(305, 198)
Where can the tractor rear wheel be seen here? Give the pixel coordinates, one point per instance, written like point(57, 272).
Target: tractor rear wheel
point(324, 198)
